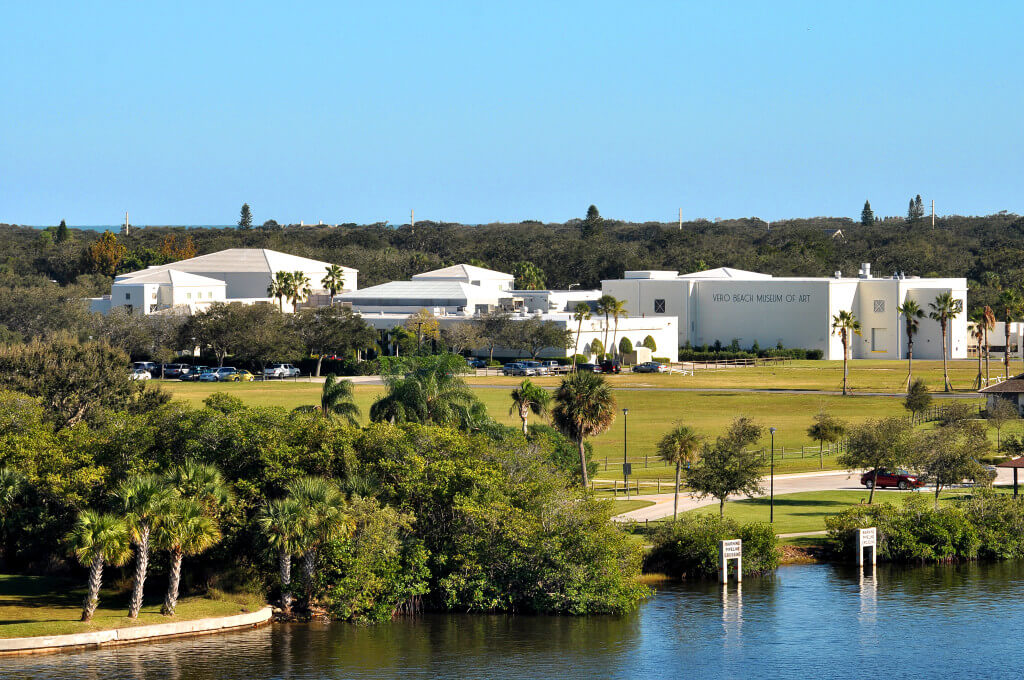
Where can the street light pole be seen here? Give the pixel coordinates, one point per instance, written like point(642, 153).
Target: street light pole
point(625, 445)
point(771, 501)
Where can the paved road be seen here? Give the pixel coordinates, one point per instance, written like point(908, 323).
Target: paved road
point(811, 481)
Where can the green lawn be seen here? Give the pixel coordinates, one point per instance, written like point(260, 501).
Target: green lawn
point(627, 506)
point(806, 511)
point(652, 412)
point(40, 605)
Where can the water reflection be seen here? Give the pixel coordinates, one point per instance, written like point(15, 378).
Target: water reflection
point(805, 622)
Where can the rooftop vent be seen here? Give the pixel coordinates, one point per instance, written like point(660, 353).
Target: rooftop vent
point(865, 270)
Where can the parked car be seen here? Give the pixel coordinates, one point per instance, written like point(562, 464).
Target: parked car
point(538, 367)
point(240, 376)
point(650, 367)
point(611, 366)
point(900, 479)
point(193, 373)
point(175, 371)
point(280, 371)
point(588, 368)
point(218, 374)
point(477, 363)
point(517, 368)
point(148, 366)
point(139, 374)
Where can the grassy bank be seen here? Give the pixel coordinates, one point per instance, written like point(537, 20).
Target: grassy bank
point(40, 605)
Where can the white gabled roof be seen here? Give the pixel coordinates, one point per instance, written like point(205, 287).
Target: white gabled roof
point(235, 260)
point(414, 290)
point(172, 277)
point(464, 271)
point(725, 273)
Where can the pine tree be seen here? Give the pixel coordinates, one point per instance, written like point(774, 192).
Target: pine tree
point(245, 218)
point(593, 225)
point(867, 216)
point(918, 207)
point(62, 232)
point(910, 212)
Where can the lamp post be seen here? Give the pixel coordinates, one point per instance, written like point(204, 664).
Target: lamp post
point(771, 491)
point(625, 447)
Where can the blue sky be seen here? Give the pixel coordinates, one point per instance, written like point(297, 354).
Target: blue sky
point(476, 112)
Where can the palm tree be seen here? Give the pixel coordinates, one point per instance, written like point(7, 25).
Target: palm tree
point(280, 522)
point(844, 323)
point(322, 517)
point(143, 501)
point(912, 314)
point(529, 397)
point(584, 407)
point(299, 289)
point(976, 329)
point(945, 308)
point(581, 313)
point(334, 279)
point(203, 483)
point(988, 326)
point(184, 529)
point(605, 304)
point(336, 400)
point(98, 539)
point(433, 394)
point(1010, 307)
point(617, 310)
point(681, 445)
point(10, 484)
point(280, 286)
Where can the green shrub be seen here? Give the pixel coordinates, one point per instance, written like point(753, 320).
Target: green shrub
point(983, 526)
point(625, 345)
point(661, 360)
point(688, 547)
point(650, 344)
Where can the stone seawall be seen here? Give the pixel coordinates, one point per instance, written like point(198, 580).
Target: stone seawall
point(101, 638)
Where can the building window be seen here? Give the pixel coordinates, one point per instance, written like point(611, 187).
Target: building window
point(659, 306)
point(879, 306)
point(188, 296)
point(878, 339)
point(127, 296)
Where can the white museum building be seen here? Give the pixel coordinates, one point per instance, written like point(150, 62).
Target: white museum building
point(462, 293)
point(725, 304)
point(233, 275)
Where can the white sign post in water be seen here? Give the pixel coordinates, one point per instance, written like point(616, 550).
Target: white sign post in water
point(730, 550)
point(867, 538)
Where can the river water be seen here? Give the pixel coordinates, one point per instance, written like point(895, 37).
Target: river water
point(803, 622)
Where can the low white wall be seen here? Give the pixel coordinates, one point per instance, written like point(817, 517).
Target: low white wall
point(53, 643)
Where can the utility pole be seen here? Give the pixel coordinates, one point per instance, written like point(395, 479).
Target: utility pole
point(126, 227)
point(933, 213)
point(680, 219)
point(412, 220)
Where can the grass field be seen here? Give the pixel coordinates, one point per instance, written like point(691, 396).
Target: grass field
point(866, 375)
point(652, 412)
point(628, 506)
point(39, 605)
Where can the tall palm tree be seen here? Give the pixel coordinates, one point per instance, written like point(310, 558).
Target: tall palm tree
point(323, 517)
point(584, 407)
point(988, 326)
point(144, 502)
point(280, 287)
point(681, 445)
point(299, 288)
point(184, 529)
point(280, 522)
point(98, 539)
point(336, 400)
point(945, 308)
point(844, 324)
point(1010, 307)
point(605, 304)
point(334, 279)
point(433, 394)
point(617, 310)
point(581, 313)
point(529, 397)
point(912, 314)
point(976, 329)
